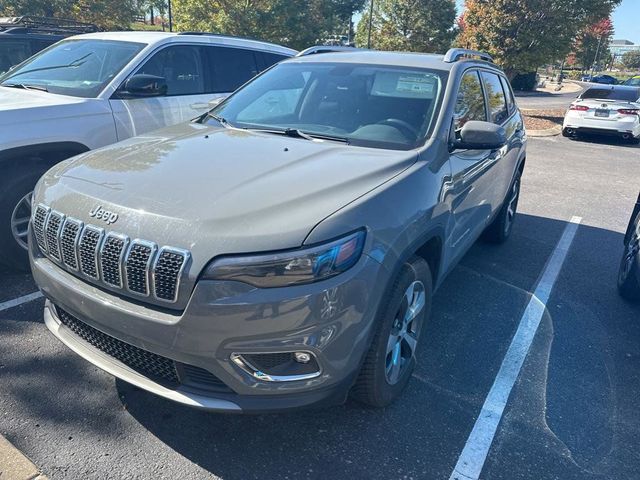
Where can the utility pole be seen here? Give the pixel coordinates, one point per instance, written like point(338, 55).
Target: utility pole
point(170, 17)
point(370, 22)
point(595, 60)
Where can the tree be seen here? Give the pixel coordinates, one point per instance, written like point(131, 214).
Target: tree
point(591, 42)
point(107, 14)
point(409, 25)
point(524, 34)
point(296, 23)
point(631, 60)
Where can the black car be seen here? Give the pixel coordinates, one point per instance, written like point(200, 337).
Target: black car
point(604, 79)
point(629, 275)
point(22, 37)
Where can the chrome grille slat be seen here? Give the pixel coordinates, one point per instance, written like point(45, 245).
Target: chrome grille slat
point(137, 264)
point(52, 232)
point(40, 217)
point(88, 247)
point(167, 271)
point(110, 258)
point(69, 237)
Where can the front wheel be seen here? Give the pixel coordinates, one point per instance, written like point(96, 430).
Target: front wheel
point(400, 322)
point(629, 272)
point(15, 212)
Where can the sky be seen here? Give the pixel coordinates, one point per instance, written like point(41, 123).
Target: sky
point(625, 20)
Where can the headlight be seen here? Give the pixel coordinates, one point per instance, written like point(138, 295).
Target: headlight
point(292, 267)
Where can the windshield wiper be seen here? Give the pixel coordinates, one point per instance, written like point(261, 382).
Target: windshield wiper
point(295, 133)
point(76, 63)
point(25, 86)
point(221, 120)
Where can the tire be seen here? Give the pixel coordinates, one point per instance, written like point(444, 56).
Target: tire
point(389, 363)
point(14, 191)
point(629, 273)
point(499, 230)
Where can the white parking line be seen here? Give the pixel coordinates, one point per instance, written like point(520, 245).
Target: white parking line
point(476, 449)
point(19, 301)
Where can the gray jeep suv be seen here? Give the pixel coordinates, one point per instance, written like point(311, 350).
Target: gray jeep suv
point(282, 250)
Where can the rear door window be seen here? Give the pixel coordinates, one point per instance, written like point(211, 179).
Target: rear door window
point(496, 100)
point(231, 67)
point(470, 101)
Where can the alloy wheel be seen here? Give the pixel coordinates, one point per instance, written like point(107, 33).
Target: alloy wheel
point(629, 258)
point(403, 339)
point(20, 220)
point(512, 205)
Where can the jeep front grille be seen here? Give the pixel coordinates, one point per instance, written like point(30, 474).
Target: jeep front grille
point(110, 258)
point(137, 267)
point(39, 220)
point(90, 239)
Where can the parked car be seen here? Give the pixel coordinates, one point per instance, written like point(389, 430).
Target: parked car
point(283, 249)
point(605, 111)
point(633, 81)
point(604, 79)
point(92, 90)
point(629, 274)
point(21, 37)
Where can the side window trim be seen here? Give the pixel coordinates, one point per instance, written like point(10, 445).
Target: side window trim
point(475, 71)
point(486, 98)
point(508, 92)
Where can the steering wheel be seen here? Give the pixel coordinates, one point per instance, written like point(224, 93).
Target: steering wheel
point(404, 127)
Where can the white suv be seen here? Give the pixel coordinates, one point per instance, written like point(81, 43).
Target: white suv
point(92, 90)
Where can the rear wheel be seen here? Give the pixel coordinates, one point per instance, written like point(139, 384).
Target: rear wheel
point(15, 212)
point(392, 356)
point(500, 228)
point(629, 273)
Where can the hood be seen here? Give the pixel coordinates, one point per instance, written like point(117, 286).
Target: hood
point(218, 191)
point(16, 105)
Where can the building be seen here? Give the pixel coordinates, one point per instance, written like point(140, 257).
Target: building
point(620, 47)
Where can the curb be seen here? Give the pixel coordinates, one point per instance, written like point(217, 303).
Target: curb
point(14, 465)
point(549, 132)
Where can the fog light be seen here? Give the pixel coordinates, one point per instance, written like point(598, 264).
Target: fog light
point(302, 357)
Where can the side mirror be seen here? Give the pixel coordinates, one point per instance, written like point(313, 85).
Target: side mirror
point(143, 86)
point(477, 135)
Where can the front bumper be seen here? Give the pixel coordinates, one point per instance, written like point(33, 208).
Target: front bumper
point(331, 319)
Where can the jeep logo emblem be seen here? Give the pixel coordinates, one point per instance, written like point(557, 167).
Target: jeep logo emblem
point(102, 214)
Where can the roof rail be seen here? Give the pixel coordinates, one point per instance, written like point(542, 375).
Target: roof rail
point(214, 34)
point(455, 54)
point(326, 49)
point(46, 25)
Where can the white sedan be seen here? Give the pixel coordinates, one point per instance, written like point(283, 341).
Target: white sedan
point(605, 110)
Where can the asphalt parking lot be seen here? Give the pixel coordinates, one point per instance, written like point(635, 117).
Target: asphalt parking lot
point(574, 412)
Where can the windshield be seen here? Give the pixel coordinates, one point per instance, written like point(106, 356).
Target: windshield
point(633, 82)
point(626, 95)
point(366, 105)
point(79, 68)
